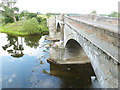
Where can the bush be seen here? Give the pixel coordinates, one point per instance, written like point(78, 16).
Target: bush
point(31, 26)
point(39, 19)
point(113, 14)
point(7, 19)
point(31, 15)
point(16, 16)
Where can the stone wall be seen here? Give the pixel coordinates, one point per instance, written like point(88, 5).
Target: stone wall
point(105, 67)
point(53, 34)
point(102, 19)
point(102, 37)
point(100, 45)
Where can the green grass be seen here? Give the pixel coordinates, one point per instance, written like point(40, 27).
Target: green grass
point(12, 29)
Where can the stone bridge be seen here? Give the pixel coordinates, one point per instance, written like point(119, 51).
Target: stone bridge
point(98, 36)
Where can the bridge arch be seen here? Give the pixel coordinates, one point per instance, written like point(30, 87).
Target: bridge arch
point(58, 27)
point(72, 43)
point(75, 51)
point(73, 47)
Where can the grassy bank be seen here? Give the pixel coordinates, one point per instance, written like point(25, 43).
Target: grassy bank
point(12, 29)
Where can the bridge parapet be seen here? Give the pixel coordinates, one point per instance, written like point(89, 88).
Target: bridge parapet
point(102, 19)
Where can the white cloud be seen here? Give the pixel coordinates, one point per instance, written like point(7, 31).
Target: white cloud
point(68, 6)
point(10, 80)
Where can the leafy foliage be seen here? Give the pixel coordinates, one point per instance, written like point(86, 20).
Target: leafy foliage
point(94, 12)
point(8, 9)
point(24, 13)
point(48, 15)
point(31, 15)
point(17, 18)
point(26, 27)
point(31, 26)
point(39, 19)
point(7, 19)
point(113, 14)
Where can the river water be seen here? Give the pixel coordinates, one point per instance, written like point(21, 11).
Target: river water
point(23, 64)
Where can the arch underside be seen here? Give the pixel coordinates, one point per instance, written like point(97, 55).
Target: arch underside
point(58, 27)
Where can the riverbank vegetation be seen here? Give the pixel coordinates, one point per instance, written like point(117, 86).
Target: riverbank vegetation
point(25, 23)
point(26, 27)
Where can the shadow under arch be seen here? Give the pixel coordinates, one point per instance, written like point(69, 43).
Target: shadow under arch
point(58, 27)
point(74, 47)
point(72, 44)
point(75, 51)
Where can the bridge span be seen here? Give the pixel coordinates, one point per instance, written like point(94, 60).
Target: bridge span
point(99, 38)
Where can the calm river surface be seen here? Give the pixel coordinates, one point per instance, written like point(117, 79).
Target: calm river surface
point(23, 63)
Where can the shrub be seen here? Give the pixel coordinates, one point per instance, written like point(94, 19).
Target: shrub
point(31, 26)
point(7, 19)
point(31, 15)
point(48, 15)
point(16, 16)
point(113, 14)
point(39, 19)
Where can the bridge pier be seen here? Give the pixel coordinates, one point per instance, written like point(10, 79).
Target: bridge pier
point(62, 28)
point(53, 33)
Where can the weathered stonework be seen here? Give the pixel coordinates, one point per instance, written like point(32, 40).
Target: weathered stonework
point(53, 34)
point(106, 68)
point(95, 33)
point(100, 43)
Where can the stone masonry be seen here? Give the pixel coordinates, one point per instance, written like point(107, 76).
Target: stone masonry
point(98, 38)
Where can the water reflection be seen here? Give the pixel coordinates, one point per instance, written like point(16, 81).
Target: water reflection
point(63, 76)
point(32, 41)
point(32, 69)
point(73, 76)
point(14, 47)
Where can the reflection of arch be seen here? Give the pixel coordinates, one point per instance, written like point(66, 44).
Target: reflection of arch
point(58, 27)
point(69, 73)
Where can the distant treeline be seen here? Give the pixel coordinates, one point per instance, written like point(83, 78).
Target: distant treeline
point(113, 14)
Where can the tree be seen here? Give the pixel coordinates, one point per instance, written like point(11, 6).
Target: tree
point(8, 8)
point(48, 15)
point(31, 26)
point(38, 13)
point(24, 13)
point(7, 19)
point(39, 19)
point(113, 14)
point(94, 12)
point(31, 15)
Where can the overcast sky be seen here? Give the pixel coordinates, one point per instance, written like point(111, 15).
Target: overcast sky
point(68, 6)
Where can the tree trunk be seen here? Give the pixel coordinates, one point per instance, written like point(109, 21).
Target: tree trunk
point(15, 20)
point(19, 18)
